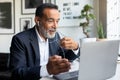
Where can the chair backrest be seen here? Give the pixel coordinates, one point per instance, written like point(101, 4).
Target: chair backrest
point(4, 61)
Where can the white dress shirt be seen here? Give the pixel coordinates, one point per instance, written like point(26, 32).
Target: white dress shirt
point(44, 55)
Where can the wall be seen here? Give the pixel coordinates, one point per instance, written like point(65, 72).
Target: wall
point(103, 13)
point(75, 31)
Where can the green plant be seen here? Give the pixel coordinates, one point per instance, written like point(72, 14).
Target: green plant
point(86, 15)
point(100, 31)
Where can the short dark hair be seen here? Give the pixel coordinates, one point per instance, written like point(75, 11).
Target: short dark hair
point(40, 9)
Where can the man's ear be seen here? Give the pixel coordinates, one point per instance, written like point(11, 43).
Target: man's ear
point(37, 19)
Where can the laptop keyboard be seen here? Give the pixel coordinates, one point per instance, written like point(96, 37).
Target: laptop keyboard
point(74, 78)
point(67, 76)
point(75, 73)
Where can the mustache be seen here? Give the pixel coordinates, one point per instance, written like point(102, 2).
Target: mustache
point(52, 29)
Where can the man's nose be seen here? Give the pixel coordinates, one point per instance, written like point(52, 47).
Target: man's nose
point(55, 24)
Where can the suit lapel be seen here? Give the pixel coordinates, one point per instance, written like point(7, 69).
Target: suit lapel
point(34, 43)
point(54, 45)
point(51, 50)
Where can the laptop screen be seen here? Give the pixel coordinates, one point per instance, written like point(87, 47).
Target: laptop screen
point(98, 60)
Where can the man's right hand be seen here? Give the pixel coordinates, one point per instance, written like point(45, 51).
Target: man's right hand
point(56, 65)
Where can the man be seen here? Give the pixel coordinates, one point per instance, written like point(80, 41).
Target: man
point(36, 53)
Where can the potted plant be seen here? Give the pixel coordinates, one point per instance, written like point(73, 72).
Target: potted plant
point(100, 32)
point(86, 16)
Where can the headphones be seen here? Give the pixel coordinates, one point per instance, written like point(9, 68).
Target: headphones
point(38, 23)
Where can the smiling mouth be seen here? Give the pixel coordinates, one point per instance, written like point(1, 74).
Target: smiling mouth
point(52, 30)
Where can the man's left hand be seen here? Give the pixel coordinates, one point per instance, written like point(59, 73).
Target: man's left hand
point(68, 43)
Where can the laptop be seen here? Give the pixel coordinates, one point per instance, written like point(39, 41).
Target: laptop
point(98, 61)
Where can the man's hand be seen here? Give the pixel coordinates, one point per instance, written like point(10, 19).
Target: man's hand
point(57, 65)
point(68, 43)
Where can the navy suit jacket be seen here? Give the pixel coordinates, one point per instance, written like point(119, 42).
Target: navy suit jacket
point(25, 55)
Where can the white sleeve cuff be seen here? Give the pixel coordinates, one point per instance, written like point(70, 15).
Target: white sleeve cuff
point(43, 71)
point(76, 51)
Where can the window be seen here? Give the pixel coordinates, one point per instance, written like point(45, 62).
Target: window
point(113, 19)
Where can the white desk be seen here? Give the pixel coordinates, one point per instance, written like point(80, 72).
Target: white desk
point(116, 77)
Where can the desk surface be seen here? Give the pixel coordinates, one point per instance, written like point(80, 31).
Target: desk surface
point(116, 77)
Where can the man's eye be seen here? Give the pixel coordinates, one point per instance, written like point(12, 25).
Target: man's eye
point(50, 20)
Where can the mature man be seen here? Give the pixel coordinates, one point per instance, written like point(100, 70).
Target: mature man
point(39, 51)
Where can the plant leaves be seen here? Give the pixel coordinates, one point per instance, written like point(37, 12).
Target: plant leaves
point(100, 31)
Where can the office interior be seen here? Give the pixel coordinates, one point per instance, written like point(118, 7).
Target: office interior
point(106, 11)
point(108, 15)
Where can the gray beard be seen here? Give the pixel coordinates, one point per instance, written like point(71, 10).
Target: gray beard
point(45, 33)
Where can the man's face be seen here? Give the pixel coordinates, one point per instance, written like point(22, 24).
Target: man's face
point(49, 22)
